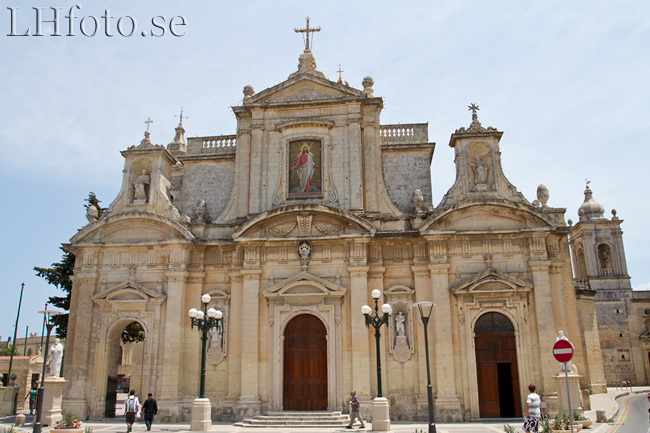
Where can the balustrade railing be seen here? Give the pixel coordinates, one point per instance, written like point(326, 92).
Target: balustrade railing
point(219, 142)
point(581, 283)
point(404, 133)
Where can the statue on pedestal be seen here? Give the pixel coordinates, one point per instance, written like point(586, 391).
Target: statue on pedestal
point(56, 356)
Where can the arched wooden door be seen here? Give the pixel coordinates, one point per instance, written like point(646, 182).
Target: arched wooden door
point(305, 364)
point(496, 364)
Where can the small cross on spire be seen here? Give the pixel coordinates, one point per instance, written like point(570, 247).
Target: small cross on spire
point(473, 108)
point(181, 116)
point(148, 122)
point(339, 71)
point(307, 31)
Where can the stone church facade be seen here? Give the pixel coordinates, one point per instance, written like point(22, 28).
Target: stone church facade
point(311, 161)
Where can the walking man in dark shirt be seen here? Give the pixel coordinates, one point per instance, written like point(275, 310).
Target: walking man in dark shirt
point(150, 408)
point(355, 411)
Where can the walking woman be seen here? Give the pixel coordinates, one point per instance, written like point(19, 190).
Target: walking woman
point(532, 414)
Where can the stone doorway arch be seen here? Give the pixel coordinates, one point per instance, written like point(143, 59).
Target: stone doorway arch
point(116, 363)
point(496, 366)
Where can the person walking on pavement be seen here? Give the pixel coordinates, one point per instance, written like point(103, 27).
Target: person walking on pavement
point(32, 399)
point(355, 411)
point(532, 414)
point(150, 408)
point(131, 409)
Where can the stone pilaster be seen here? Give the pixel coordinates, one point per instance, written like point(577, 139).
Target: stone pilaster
point(422, 293)
point(544, 308)
point(447, 404)
point(243, 160)
point(360, 342)
point(355, 158)
point(249, 403)
point(234, 343)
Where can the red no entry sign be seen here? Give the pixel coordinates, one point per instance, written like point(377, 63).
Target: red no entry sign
point(563, 351)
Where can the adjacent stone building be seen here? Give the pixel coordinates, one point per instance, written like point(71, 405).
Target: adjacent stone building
point(311, 164)
point(623, 314)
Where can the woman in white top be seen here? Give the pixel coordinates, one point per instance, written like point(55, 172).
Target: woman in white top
point(532, 413)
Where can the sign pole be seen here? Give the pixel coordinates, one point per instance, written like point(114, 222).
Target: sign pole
point(568, 393)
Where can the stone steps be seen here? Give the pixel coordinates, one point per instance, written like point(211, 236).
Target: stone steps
point(315, 419)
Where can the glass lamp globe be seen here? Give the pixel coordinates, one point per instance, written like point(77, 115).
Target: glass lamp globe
point(193, 313)
point(212, 313)
point(387, 309)
point(205, 298)
point(376, 294)
point(200, 315)
point(366, 310)
point(219, 314)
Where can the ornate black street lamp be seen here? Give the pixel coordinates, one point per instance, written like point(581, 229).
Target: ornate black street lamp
point(41, 389)
point(377, 321)
point(426, 308)
point(204, 321)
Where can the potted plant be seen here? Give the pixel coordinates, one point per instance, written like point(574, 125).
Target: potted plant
point(69, 423)
point(582, 420)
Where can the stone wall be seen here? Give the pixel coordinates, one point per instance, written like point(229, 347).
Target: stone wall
point(209, 180)
point(615, 337)
point(403, 172)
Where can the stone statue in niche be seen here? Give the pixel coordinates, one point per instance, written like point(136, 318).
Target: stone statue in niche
point(399, 324)
point(140, 195)
point(480, 172)
point(216, 337)
point(401, 341)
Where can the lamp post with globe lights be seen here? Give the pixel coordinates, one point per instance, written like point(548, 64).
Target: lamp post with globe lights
point(380, 418)
point(425, 308)
point(204, 321)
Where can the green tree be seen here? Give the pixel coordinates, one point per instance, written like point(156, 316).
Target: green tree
point(59, 275)
point(5, 350)
point(133, 333)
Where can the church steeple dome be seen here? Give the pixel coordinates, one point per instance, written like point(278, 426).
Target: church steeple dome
point(590, 209)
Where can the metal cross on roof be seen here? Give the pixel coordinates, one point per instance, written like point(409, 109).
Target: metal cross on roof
point(339, 71)
point(307, 31)
point(148, 122)
point(181, 116)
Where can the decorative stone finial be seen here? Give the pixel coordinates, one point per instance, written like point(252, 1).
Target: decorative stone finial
point(570, 222)
point(475, 126)
point(590, 208)
point(367, 83)
point(307, 65)
point(417, 200)
point(248, 92)
point(614, 217)
point(146, 141)
point(178, 143)
point(92, 214)
point(542, 195)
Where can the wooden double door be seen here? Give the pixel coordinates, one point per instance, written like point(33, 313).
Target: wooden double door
point(305, 364)
point(498, 377)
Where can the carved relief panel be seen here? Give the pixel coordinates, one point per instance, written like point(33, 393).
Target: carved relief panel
point(400, 329)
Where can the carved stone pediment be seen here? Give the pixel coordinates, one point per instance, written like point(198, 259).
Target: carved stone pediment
point(303, 222)
point(491, 280)
point(128, 291)
point(304, 286)
point(305, 88)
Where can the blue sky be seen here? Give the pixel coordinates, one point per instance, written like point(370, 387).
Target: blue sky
point(567, 82)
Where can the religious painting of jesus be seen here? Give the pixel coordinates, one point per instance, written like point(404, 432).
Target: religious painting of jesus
point(304, 168)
